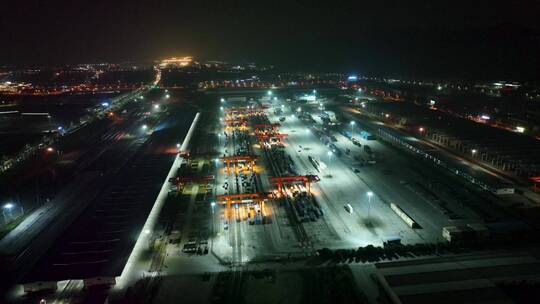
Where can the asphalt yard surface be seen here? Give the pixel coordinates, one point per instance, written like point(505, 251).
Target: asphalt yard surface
point(371, 220)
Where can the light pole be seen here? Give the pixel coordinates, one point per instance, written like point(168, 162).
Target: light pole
point(352, 128)
point(329, 153)
point(7, 207)
point(369, 195)
point(473, 152)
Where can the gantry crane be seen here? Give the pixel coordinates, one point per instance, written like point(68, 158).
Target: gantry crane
point(241, 198)
point(179, 181)
point(249, 159)
point(267, 126)
point(296, 179)
point(237, 123)
point(246, 110)
point(536, 181)
point(265, 137)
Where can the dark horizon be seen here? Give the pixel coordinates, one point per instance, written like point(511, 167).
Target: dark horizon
point(486, 40)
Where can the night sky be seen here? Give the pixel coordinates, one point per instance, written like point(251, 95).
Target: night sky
point(484, 39)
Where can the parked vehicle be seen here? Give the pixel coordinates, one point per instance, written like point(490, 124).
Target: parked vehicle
point(367, 136)
point(392, 241)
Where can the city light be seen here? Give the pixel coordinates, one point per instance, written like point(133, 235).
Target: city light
point(156, 106)
point(269, 93)
point(50, 149)
point(222, 99)
point(8, 206)
point(520, 129)
point(178, 145)
point(144, 127)
point(167, 96)
point(177, 62)
point(369, 194)
point(421, 129)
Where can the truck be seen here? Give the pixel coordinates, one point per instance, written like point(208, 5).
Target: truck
point(346, 133)
point(331, 116)
point(237, 98)
point(366, 135)
point(391, 241)
point(356, 142)
point(317, 163)
point(368, 150)
point(334, 149)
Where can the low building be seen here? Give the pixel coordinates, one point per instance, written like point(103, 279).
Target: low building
point(482, 278)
